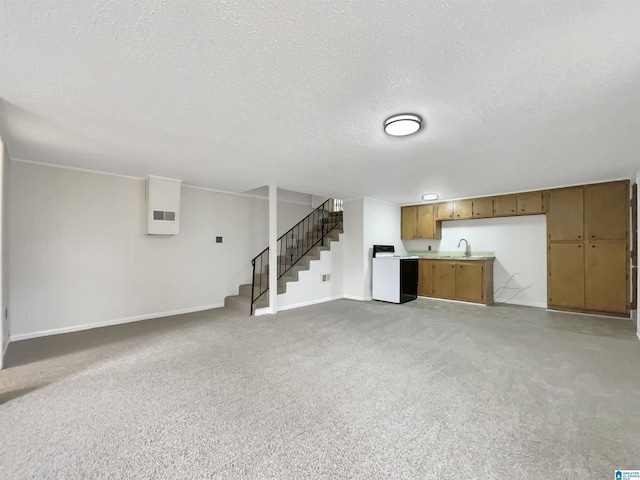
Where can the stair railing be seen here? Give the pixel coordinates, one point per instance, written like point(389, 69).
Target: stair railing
point(295, 244)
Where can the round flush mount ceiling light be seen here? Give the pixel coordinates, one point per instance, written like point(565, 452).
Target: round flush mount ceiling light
point(430, 197)
point(402, 125)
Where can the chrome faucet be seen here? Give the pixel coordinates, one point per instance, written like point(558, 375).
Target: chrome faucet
point(467, 251)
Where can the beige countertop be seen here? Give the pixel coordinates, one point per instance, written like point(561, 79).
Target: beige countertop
point(478, 256)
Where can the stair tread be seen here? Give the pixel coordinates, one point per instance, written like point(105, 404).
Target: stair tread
point(309, 240)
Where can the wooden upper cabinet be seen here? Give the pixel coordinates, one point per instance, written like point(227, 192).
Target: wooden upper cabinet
point(606, 273)
point(470, 282)
point(565, 216)
point(444, 211)
point(462, 209)
point(607, 211)
point(566, 275)
point(418, 221)
point(425, 282)
point(409, 222)
point(530, 203)
point(427, 227)
point(504, 206)
point(482, 207)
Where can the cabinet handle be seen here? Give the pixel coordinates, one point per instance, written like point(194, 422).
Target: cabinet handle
point(513, 210)
point(593, 236)
point(579, 236)
point(593, 246)
point(579, 246)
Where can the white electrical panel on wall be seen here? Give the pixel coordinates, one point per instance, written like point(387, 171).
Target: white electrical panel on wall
point(163, 205)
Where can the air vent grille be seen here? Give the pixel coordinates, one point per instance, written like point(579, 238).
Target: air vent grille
point(164, 216)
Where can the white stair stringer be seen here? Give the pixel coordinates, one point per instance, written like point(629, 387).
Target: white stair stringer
point(242, 301)
point(307, 287)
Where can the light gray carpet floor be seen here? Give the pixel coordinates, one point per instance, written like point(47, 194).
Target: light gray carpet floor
point(347, 389)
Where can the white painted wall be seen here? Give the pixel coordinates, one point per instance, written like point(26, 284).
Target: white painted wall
point(317, 200)
point(381, 227)
point(353, 250)
point(367, 222)
point(289, 214)
point(310, 288)
point(519, 244)
point(4, 250)
point(80, 258)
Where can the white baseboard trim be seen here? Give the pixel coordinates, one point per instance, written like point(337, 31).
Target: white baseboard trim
point(353, 297)
point(601, 315)
point(5, 345)
point(258, 312)
point(454, 301)
point(523, 303)
point(107, 323)
point(311, 302)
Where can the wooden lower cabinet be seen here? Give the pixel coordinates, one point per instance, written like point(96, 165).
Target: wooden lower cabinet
point(444, 279)
point(566, 275)
point(469, 282)
point(425, 275)
point(589, 277)
point(606, 277)
point(464, 280)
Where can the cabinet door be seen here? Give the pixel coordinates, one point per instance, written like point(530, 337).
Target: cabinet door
point(504, 205)
point(530, 203)
point(408, 222)
point(462, 209)
point(565, 218)
point(444, 279)
point(427, 222)
point(470, 282)
point(566, 275)
point(482, 207)
point(425, 283)
point(444, 211)
point(607, 211)
point(606, 281)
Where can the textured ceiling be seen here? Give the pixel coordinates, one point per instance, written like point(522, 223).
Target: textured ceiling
point(233, 95)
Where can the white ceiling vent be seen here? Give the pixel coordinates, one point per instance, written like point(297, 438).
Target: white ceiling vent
point(163, 205)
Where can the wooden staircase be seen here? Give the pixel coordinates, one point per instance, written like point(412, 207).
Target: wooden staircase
point(242, 301)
